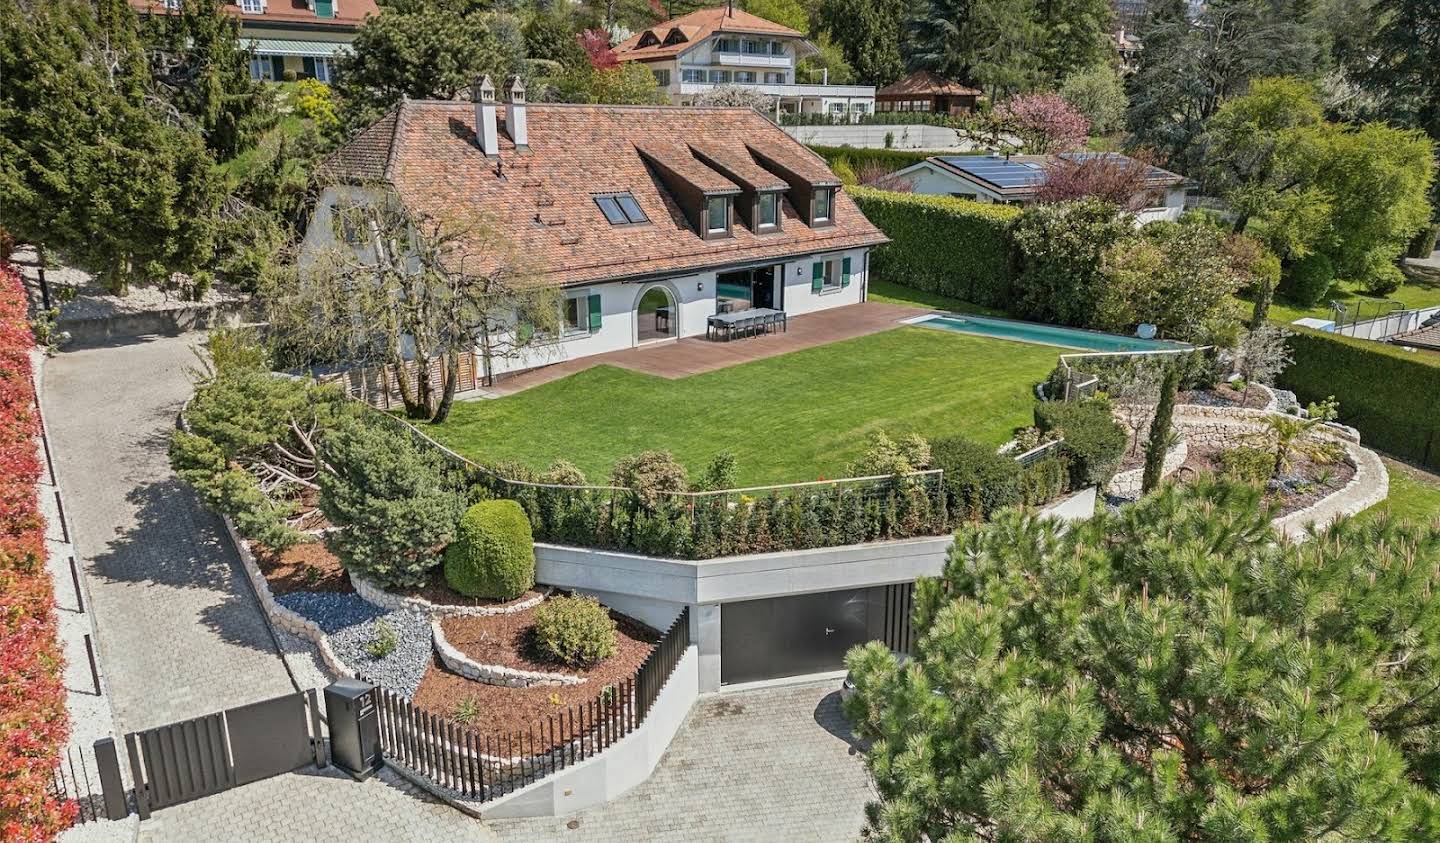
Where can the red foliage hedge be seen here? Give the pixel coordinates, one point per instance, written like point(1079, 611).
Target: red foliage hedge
point(33, 721)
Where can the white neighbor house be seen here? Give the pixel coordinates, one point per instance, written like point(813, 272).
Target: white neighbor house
point(695, 53)
point(650, 219)
point(1014, 179)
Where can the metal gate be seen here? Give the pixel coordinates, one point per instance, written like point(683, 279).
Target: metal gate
point(206, 755)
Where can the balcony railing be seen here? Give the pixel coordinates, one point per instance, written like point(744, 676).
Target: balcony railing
point(752, 59)
point(788, 90)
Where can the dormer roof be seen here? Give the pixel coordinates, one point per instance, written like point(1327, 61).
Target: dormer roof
point(657, 42)
point(543, 199)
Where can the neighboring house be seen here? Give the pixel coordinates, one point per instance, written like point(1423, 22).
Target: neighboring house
point(1014, 180)
point(926, 92)
point(694, 53)
point(1129, 47)
point(303, 36)
point(649, 218)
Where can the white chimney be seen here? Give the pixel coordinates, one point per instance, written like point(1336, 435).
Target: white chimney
point(515, 119)
point(482, 93)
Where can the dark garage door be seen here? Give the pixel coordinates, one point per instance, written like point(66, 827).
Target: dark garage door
point(808, 633)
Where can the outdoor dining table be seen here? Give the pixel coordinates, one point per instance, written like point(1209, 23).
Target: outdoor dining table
point(745, 322)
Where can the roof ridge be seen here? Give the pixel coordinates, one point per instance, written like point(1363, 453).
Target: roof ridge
point(395, 131)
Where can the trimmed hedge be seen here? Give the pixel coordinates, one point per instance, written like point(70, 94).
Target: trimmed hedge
point(493, 554)
point(1392, 396)
point(890, 159)
point(1094, 441)
point(941, 244)
point(978, 480)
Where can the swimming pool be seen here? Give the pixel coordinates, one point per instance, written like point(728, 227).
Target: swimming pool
point(1033, 332)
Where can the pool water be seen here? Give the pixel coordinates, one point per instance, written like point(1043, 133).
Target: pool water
point(1033, 332)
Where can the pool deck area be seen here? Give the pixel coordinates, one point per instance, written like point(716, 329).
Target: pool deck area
point(693, 355)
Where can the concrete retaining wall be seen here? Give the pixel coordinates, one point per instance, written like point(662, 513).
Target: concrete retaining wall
point(619, 768)
point(170, 322)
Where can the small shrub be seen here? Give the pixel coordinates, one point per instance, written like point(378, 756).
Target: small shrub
point(493, 554)
point(289, 75)
point(576, 631)
point(467, 710)
point(1308, 280)
point(1384, 280)
point(1094, 441)
point(1246, 463)
point(383, 642)
point(886, 456)
point(719, 474)
point(978, 481)
point(844, 171)
point(650, 475)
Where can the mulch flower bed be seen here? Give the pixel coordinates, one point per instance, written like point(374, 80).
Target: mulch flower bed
point(302, 567)
point(1222, 395)
point(1301, 486)
point(507, 640)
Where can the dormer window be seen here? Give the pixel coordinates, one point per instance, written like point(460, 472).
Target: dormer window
point(675, 37)
point(769, 212)
point(621, 209)
point(252, 7)
point(717, 216)
point(649, 39)
point(824, 200)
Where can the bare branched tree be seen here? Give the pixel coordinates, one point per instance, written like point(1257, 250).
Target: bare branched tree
point(393, 287)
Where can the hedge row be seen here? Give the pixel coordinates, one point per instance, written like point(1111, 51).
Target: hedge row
point(33, 721)
point(1391, 395)
point(890, 159)
point(941, 244)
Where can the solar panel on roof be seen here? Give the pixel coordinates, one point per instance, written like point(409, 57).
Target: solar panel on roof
point(997, 171)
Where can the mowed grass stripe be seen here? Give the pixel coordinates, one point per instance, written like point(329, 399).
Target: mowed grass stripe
point(798, 416)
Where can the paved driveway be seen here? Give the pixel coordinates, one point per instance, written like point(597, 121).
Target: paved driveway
point(777, 764)
point(180, 634)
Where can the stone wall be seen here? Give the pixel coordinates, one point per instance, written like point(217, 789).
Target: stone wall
point(378, 596)
point(492, 674)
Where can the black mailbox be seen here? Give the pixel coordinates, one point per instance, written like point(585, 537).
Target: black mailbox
point(354, 726)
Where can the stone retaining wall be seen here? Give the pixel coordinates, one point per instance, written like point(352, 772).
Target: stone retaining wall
point(291, 622)
point(378, 596)
point(1127, 484)
point(492, 674)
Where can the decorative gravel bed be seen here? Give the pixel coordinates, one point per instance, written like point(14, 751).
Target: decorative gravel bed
point(351, 624)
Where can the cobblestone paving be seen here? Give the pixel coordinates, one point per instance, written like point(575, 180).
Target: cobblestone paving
point(775, 764)
point(315, 805)
point(180, 634)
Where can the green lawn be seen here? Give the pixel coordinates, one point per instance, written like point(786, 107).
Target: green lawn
point(795, 417)
point(1422, 289)
point(1414, 494)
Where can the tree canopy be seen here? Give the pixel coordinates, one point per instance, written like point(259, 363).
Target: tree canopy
point(1172, 672)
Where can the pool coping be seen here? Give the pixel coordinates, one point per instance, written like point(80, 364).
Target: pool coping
point(917, 321)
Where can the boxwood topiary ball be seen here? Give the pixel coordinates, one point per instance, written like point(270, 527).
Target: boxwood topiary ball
point(493, 554)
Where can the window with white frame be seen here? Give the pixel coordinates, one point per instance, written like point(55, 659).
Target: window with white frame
point(777, 48)
point(252, 7)
point(719, 77)
point(692, 75)
point(717, 215)
point(837, 108)
point(322, 70)
point(745, 77)
point(662, 77)
point(824, 199)
point(574, 316)
point(262, 69)
point(769, 214)
point(834, 276)
point(774, 78)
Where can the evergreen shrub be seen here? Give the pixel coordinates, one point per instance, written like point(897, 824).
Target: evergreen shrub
point(493, 554)
point(576, 631)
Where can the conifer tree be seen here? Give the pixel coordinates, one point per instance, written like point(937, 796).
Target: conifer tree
point(1172, 672)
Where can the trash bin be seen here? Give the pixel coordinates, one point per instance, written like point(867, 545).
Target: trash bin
point(350, 706)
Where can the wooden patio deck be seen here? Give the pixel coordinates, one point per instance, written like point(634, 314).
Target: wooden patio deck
point(693, 355)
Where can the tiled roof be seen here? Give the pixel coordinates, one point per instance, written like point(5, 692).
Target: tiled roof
point(697, 26)
point(349, 14)
point(542, 200)
point(925, 83)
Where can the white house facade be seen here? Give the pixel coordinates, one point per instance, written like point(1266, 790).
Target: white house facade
point(649, 221)
point(693, 54)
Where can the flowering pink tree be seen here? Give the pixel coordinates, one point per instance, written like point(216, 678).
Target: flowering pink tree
point(597, 48)
point(1045, 123)
point(1115, 178)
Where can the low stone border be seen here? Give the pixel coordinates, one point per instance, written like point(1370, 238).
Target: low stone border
point(492, 674)
point(1127, 484)
point(284, 618)
point(1369, 486)
point(378, 596)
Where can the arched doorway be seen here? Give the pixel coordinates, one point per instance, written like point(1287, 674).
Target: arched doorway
point(655, 316)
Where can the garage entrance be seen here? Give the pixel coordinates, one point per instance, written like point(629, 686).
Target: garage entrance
point(809, 633)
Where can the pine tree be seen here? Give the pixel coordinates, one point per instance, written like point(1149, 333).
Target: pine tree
point(1171, 672)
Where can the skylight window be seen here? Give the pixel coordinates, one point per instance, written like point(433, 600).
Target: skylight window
point(621, 209)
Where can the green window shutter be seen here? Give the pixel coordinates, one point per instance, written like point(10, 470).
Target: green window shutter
point(845, 273)
point(595, 317)
point(817, 277)
point(324, 8)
